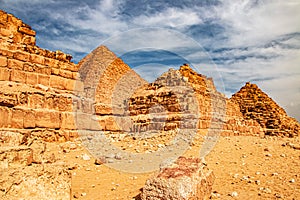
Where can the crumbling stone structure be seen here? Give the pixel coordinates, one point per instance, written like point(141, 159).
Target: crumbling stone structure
point(36, 84)
point(257, 105)
point(40, 89)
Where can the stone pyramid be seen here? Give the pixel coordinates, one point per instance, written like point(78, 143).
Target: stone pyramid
point(257, 105)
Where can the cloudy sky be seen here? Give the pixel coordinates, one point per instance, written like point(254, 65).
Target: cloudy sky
point(234, 41)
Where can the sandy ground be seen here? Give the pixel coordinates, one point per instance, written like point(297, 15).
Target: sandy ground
point(245, 168)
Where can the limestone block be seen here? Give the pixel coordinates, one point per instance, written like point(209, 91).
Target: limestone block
point(29, 119)
point(5, 32)
point(66, 74)
point(5, 117)
point(62, 103)
point(6, 53)
point(31, 78)
point(36, 100)
point(47, 119)
point(27, 31)
point(22, 56)
point(83, 121)
point(17, 38)
point(3, 17)
point(57, 82)
point(55, 71)
point(18, 76)
point(15, 64)
point(13, 20)
point(52, 63)
point(44, 79)
point(103, 109)
point(186, 179)
point(78, 86)
point(69, 84)
point(17, 118)
point(4, 74)
point(109, 123)
point(3, 61)
point(41, 69)
point(67, 121)
point(37, 59)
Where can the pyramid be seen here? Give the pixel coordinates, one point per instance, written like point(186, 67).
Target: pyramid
point(257, 105)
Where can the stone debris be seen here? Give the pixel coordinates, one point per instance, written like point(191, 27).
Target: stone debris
point(186, 179)
point(234, 194)
point(86, 157)
point(100, 161)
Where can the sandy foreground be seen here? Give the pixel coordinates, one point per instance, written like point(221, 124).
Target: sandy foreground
point(245, 168)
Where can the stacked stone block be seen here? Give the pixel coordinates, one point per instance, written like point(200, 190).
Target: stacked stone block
point(36, 84)
point(256, 105)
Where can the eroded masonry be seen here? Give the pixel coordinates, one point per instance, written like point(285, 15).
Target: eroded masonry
point(44, 97)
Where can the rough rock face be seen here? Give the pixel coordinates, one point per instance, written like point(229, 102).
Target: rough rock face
point(257, 105)
point(186, 179)
point(187, 100)
point(28, 170)
point(216, 112)
point(36, 88)
point(36, 85)
point(167, 104)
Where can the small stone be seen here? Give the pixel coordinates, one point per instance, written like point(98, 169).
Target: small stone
point(100, 161)
point(265, 190)
point(266, 149)
point(72, 146)
point(236, 176)
point(257, 173)
point(86, 157)
point(118, 157)
point(83, 194)
point(269, 155)
point(275, 174)
point(110, 155)
point(234, 194)
point(279, 196)
point(283, 155)
point(292, 180)
point(257, 182)
point(76, 196)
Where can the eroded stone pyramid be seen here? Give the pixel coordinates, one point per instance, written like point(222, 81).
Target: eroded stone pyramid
point(257, 105)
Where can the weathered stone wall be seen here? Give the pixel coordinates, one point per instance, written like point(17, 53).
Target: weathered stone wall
point(257, 105)
point(36, 84)
point(178, 91)
point(40, 89)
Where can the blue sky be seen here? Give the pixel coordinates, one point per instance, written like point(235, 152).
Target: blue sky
point(232, 41)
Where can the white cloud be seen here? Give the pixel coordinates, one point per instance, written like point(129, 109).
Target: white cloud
point(102, 18)
point(250, 24)
point(170, 17)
